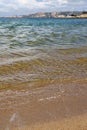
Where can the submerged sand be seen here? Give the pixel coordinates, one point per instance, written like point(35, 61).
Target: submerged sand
point(44, 89)
point(74, 123)
point(57, 106)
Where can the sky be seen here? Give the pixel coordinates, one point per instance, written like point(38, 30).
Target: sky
point(19, 7)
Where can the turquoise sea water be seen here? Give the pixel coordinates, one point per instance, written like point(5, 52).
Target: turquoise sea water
point(25, 32)
point(40, 49)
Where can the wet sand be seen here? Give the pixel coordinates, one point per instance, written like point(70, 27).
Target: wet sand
point(57, 106)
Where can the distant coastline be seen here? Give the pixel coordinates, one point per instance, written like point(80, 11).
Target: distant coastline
point(69, 14)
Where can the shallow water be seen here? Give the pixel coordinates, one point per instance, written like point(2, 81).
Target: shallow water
point(37, 52)
point(43, 71)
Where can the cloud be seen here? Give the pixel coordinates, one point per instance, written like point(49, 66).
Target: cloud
point(23, 6)
point(28, 6)
point(38, 4)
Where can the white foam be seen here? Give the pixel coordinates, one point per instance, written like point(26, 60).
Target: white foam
point(13, 117)
point(48, 98)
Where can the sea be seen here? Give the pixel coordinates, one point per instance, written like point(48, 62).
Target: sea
point(35, 52)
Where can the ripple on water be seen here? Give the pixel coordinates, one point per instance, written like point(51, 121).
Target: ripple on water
point(41, 66)
point(38, 52)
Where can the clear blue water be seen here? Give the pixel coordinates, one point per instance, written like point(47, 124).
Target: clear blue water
point(35, 52)
point(27, 32)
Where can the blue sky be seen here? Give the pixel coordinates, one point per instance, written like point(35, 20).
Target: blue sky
point(13, 7)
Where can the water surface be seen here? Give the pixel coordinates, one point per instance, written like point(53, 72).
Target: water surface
point(36, 52)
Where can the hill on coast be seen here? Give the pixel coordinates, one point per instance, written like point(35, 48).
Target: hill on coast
point(68, 14)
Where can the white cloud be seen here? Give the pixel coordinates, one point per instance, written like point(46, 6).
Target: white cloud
point(22, 1)
point(26, 6)
point(31, 4)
